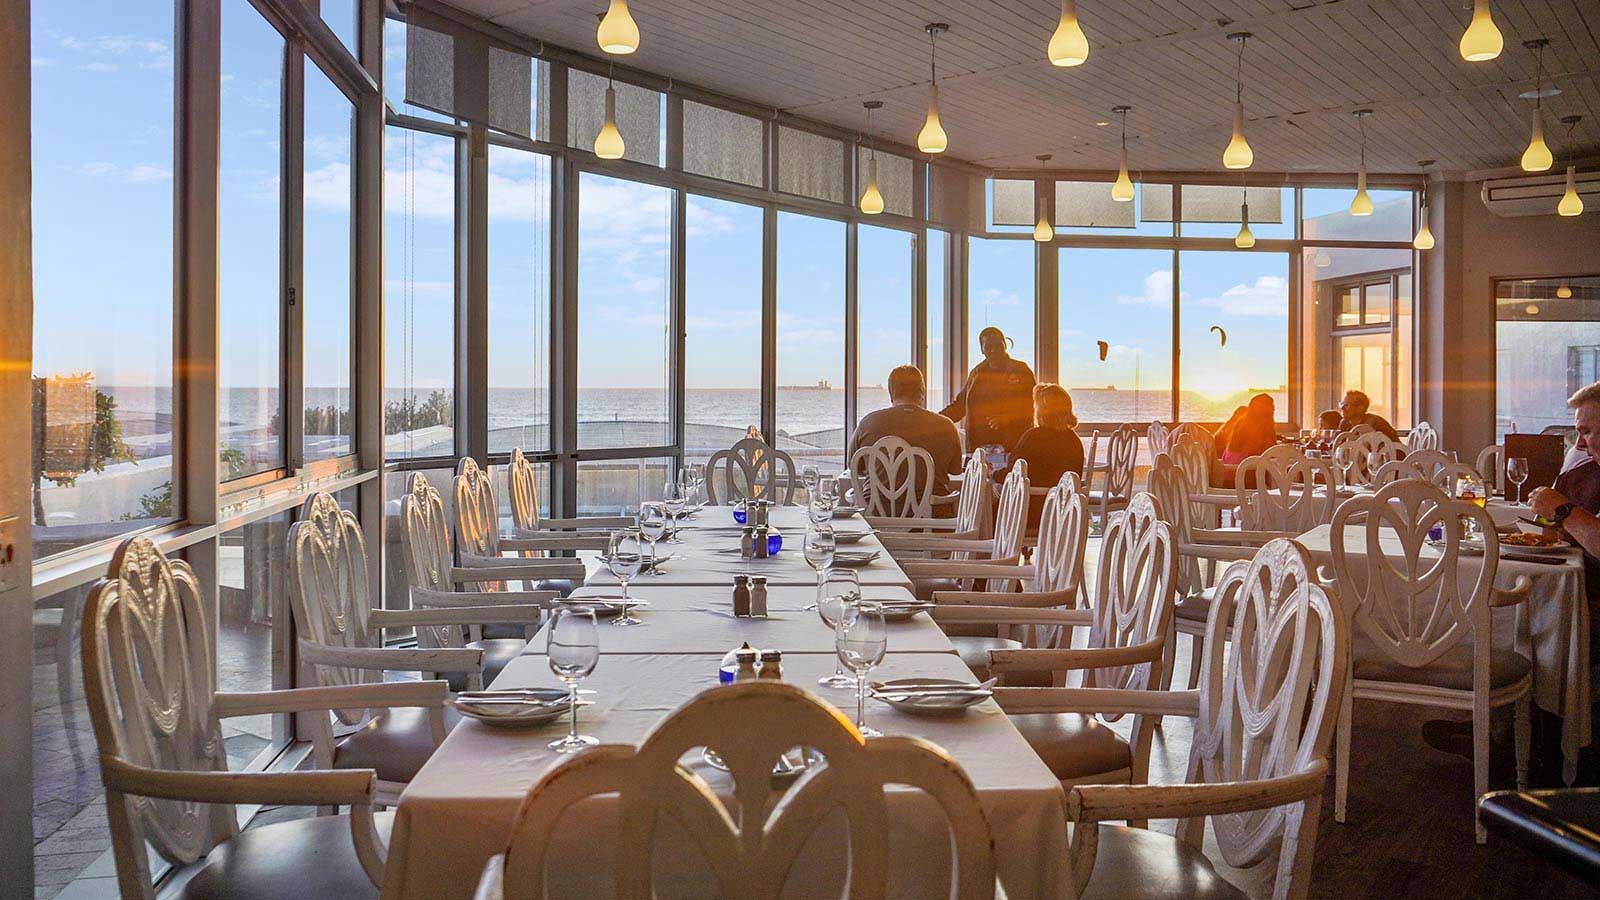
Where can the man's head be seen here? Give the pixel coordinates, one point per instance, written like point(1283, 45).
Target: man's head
point(1586, 417)
point(992, 341)
point(1354, 405)
point(906, 387)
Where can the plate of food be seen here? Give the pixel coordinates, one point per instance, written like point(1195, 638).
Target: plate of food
point(1531, 542)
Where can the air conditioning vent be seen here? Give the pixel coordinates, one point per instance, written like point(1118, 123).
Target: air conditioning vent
point(1537, 195)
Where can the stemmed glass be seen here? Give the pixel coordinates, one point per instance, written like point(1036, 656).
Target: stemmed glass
point(675, 499)
point(1471, 489)
point(1517, 473)
point(572, 648)
point(653, 526)
point(1375, 461)
point(837, 594)
point(625, 556)
point(821, 501)
point(808, 477)
point(819, 548)
point(860, 641)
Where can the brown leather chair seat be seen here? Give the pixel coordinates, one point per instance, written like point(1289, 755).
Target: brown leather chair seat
point(1074, 745)
point(974, 650)
point(923, 588)
point(311, 857)
point(497, 653)
point(1136, 862)
point(1196, 608)
point(1452, 671)
point(395, 744)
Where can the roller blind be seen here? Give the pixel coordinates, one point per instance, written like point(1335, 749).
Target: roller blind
point(721, 144)
point(638, 115)
point(895, 180)
point(810, 165)
point(1216, 203)
point(457, 72)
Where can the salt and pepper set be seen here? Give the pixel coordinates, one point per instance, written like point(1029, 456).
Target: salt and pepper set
point(750, 595)
point(753, 543)
point(749, 664)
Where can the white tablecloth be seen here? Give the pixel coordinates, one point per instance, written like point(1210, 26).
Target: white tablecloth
point(1551, 628)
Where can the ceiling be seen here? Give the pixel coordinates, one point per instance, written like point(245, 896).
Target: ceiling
point(1310, 64)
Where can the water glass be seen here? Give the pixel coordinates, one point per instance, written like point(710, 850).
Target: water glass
point(676, 499)
point(1517, 473)
point(653, 526)
point(624, 557)
point(860, 641)
point(820, 545)
point(837, 594)
point(572, 648)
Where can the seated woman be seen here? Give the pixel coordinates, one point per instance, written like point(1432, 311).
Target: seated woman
point(1330, 420)
point(1051, 447)
point(1248, 434)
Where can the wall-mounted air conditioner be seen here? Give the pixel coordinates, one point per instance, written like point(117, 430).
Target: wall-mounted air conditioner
point(1537, 195)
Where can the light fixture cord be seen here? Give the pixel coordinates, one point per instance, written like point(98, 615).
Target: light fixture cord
point(1361, 121)
point(1238, 81)
point(933, 58)
point(1538, 79)
point(1124, 131)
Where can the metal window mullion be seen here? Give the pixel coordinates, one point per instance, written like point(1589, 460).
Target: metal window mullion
point(852, 331)
point(769, 319)
point(919, 303)
point(564, 341)
point(956, 311)
point(293, 217)
point(1177, 346)
point(677, 317)
point(475, 255)
point(369, 332)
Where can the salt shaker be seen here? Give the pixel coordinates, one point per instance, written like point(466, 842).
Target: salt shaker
point(747, 657)
point(761, 542)
point(771, 665)
point(747, 542)
point(758, 595)
point(741, 595)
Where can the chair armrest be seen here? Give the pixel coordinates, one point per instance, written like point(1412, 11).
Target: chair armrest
point(965, 568)
point(1227, 552)
point(513, 606)
point(228, 704)
point(582, 522)
point(1236, 536)
point(1519, 591)
point(558, 540)
point(1103, 802)
point(492, 883)
point(1005, 615)
point(326, 787)
point(941, 542)
point(1017, 700)
point(393, 659)
point(908, 522)
point(1031, 660)
point(488, 568)
point(1019, 599)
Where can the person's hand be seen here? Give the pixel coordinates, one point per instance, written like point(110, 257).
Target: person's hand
point(1544, 501)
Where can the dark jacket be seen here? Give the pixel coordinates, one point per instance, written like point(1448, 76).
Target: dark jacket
point(919, 428)
point(995, 403)
point(1050, 453)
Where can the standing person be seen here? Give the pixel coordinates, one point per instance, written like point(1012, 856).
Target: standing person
point(1051, 447)
point(996, 402)
point(1354, 410)
point(908, 418)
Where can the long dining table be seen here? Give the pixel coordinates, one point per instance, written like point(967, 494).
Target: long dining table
point(460, 808)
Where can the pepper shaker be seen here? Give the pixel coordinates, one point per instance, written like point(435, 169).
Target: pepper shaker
point(761, 542)
point(747, 657)
point(771, 665)
point(747, 542)
point(741, 595)
point(758, 595)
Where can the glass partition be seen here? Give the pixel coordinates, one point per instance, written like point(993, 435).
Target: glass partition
point(1234, 332)
point(810, 363)
point(1547, 346)
point(519, 300)
point(722, 316)
point(885, 266)
point(1116, 333)
point(1000, 292)
point(328, 288)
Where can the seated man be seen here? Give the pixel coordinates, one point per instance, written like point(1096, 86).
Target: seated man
point(909, 419)
point(1574, 502)
point(1353, 408)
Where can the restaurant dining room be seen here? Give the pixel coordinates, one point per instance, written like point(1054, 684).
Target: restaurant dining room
point(521, 449)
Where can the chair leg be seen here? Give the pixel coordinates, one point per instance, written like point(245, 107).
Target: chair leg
point(1524, 733)
point(1480, 760)
point(1341, 754)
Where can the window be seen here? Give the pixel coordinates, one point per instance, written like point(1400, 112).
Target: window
point(102, 120)
point(885, 265)
point(811, 165)
point(623, 229)
point(328, 288)
point(721, 144)
point(252, 626)
point(1355, 329)
point(1365, 365)
point(722, 314)
point(419, 283)
point(614, 487)
point(1123, 298)
point(1233, 331)
point(1547, 345)
point(394, 72)
point(1212, 210)
point(519, 300)
point(1327, 215)
point(249, 264)
point(1000, 292)
point(1583, 367)
point(641, 116)
point(810, 364)
point(938, 259)
point(343, 17)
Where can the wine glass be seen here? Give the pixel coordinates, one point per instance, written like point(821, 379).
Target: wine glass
point(819, 548)
point(1470, 488)
point(837, 593)
point(1375, 461)
point(653, 526)
point(1517, 473)
point(808, 478)
point(819, 505)
point(860, 641)
point(572, 648)
point(624, 556)
point(675, 500)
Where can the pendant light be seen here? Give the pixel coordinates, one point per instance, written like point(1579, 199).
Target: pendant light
point(1362, 204)
point(1122, 190)
point(1068, 46)
point(871, 198)
point(932, 139)
point(1424, 238)
point(1537, 158)
point(1571, 204)
point(608, 143)
point(1246, 238)
point(1238, 155)
point(1042, 230)
point(618, 33)
point(1481, 41)
point(1564, 292)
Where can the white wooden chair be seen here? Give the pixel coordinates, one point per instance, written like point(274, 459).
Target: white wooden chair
point(974, 508)
point(1128, 627)
point(1289, 499)
point(1159, 437)
point(993, 560)
point(1116, 486)
point(751, 839)
point(1422, 437)
point(479, 542)
point(1190, 457)
point(751, 469)
point(341, 643)
point(1352, 454)
point(1491, 466)
point(1442, 474)
point(1263, 718)
point(1423, 630)
point(435, 581)
point(522, 484)
point(893, 480)
point(148, 679)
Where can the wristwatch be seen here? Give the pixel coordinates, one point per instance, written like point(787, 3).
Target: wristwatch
point(1561, 514)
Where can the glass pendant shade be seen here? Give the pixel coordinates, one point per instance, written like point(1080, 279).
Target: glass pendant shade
point(1362, 204)
point(1238, 155)
point(1571, 204)
point(618, 33)
point(1245, 238)
point(608, 143)
point(1122, 190)
point(1068, 46)
point(1564, 292)
point(932, 139)
point(872, 198)
point(1482, 40)
point(1537, 158)
point(1042, 232)
point(1424, 238)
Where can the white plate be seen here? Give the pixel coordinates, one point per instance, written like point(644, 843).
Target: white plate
point(900, 612)
point(855, 559)
point(1538, 551)
point(850, 537)
point(846, 512)
point(518, 715)
point(938, 705)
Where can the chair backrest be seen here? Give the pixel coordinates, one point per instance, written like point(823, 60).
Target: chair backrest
point(1276, 649)
point(1135, 594)
point(148, 678)
point(1275, 497)
point(1171, 489)
point(893, 479)
point(1159, 438)
point(1413, 606)
point(750, 841)
point(1425, 465)
point(1428, 462)
point(425, 542)
point(751, 469)
point(1063, 537)
point(1190, 456)
point(1491, 464)
point(1285, 454)
point(522, 484)
point(1354, 453)
point(1010, 522)
point(477, 512)
point(975, 502)
point(1122, 454)
point(329, 593)
point(1422, 437)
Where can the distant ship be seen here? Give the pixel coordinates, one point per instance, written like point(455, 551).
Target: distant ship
point(823, 385)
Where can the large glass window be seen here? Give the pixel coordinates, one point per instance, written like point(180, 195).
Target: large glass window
point(811, 276)
point(722, 359)
point(623, 269)
point(251, 573)
point(1233, 331)
point(613, 487)
point(519, 300)
point(103, 410)
point(1121, 300)
point(419, 261)
point(1547, 345)
point(249, 263)
point(328, 288)
point(938, 258)
point(1355, 329)
point(885, 266)
point(1327, 215)
point(1213, 210)
point(1000, 293)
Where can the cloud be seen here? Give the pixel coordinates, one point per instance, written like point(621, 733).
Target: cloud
point(998, 297)
point(1267, 296)
point(43, 62)
point(329, 186)
point(139, 174)
point(1157, 291)
point(99, 67)
point(143, 52)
